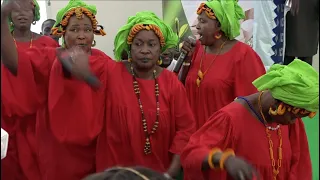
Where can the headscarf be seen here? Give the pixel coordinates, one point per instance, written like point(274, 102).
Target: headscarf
point(228, 13)
point(73, 4)
point(35, 18)
point(296, 84)
point(143, 17)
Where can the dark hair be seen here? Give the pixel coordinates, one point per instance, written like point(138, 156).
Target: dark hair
point(124, 55)
point(127, 173)
point(51, 20)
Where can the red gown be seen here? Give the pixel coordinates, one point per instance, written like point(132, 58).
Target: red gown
point(230, 76)
point(19, 106)
point(234, 127)
point(68, 154)
point(122, 138)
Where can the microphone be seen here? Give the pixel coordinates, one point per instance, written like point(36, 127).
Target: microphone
point(4, 143)
point(183, 55)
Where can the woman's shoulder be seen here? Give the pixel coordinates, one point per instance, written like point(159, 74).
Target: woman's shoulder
point(46, 41)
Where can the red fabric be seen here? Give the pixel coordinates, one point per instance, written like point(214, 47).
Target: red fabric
point(230, 75)
point(122, 140)
point(19, 97)
point(234, 127)
point(66, 152)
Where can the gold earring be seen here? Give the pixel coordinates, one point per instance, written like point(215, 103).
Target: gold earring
point(159, 62)
point(129, 60)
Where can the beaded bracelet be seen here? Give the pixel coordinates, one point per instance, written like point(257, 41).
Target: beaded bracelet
point(210, 157)
point(225, 155)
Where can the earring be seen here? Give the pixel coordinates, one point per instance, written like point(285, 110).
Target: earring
point(11, 24)
point(217, 35)
point(129, 57)
point(34, 22)
point(273, 112)
point(93, 43)
point(159, 61)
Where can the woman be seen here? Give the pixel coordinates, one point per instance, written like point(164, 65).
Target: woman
point(168, 128)
point(18, 111)
point(79, 114)
point(129, 173)
point(219, 68)
point(77, 24)
point(259, 127)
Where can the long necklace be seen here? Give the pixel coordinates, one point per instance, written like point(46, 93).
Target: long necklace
point(147, 146)
point(202, 74)
point(276, 169)
point(15, 42)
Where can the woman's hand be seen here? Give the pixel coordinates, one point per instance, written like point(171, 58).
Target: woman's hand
point(239, 169)
point(188, 47)
point(15, 5)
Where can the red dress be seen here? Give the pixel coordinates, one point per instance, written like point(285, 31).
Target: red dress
point(230, 76)
point(114, 108)
point(67, 154)
point(234, 127)
point(19, 107)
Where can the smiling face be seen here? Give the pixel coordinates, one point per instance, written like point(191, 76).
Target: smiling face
point(22, 19)
point(79, 32)
point(145, 49)
point(206, 28)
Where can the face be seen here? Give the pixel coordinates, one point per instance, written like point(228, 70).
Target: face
point(168, 55)
point(145, 50)
point(206, 28)
point(46, 28)
point(79, 32)
point(22, 19)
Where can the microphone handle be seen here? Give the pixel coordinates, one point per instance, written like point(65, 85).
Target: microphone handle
point(179, 63)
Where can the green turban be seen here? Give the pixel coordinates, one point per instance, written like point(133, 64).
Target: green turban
point(73, 4)
point(143, 17)
point(296, 84)
point(228, 13)
point(36, 14)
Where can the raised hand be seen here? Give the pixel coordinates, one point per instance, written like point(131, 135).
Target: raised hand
point(15, 5)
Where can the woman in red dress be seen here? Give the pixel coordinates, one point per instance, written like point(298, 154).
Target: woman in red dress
point(17, 97)
point(118, 119)
point(77, 24)
point(264, 128)
point(219, 68)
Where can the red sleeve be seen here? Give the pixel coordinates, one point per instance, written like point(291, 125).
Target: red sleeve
point(48, 42)
point(76, 110)
point(301, 168)
point(247, 69)
point(217, 132)
point(184, 119)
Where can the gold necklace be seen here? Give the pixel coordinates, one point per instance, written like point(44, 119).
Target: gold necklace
point(202, 74)
point(276, 170)
point(15, 42)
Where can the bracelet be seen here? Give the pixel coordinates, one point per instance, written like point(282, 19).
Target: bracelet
point(186, 63)
point(225, 155)
point(210, 157)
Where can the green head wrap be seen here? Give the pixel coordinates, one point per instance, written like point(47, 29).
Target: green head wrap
point(73, 4)
point(144, 17)
point(228, 13)
point(35, 18)
point(296, 84)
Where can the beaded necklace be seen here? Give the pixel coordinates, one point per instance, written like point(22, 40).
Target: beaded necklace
point(261, 117)
point(147, 146)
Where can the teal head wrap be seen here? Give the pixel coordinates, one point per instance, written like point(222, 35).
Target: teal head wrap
point(145, 17)
point(228, 13)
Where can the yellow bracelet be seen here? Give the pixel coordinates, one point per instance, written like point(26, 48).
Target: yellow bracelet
point(227, 153)
point(210, 157)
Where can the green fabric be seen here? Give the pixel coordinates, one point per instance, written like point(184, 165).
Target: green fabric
point(36, 13)
point(143, 17)
point(73, 4)
point(296, 84)
point(228, 13)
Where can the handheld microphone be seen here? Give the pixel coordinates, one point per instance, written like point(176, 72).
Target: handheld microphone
point(4, 143)
point(182, 56)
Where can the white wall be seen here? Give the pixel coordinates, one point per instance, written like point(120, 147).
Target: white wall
point(112, 15)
